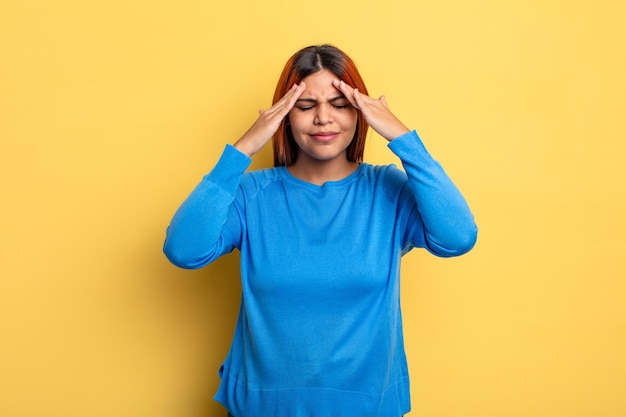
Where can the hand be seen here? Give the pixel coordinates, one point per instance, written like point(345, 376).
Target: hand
point(268, 122)
point(376, 112)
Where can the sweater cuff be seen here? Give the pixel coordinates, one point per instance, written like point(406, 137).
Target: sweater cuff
point(410, 147)
point(229, 168)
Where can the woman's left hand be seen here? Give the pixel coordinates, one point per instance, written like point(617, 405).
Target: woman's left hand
point(376, 112)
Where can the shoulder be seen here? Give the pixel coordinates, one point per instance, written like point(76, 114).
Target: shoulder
point(254, 181)
point(387, 177)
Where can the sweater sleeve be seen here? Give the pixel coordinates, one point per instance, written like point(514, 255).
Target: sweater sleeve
point(198, 233)
point(438, 215)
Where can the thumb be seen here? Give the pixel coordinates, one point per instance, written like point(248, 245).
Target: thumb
point(383, 100)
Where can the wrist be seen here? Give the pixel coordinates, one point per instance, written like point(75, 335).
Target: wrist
point(396, 133)
point(244, 146)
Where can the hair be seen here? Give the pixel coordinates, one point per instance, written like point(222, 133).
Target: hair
point(303, 63)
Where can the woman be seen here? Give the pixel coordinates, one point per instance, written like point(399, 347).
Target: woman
point(321, 235)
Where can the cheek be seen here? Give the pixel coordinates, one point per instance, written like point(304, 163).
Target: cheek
point(350, 120)
point(296, 121)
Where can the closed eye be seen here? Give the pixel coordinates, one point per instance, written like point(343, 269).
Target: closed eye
point(306, 104)
point(339, 102)
point(335, 106)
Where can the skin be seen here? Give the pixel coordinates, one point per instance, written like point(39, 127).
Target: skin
point(323, 123)
point(322, 113)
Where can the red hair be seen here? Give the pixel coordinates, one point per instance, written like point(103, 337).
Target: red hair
point(303, 63)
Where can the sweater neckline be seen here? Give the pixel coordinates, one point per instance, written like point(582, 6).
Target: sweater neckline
point(288, 176)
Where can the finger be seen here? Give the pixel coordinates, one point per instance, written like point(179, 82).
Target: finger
point(285, 98)
point(296, 92)
point(383, 100)
point(360, 98)
point(286, 102)
point(363, 101)
point(347, 91)
point(290, 98)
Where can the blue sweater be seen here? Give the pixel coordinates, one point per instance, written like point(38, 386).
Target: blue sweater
point(319, 332)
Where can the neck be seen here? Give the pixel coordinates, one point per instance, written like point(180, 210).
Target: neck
point(319, 172)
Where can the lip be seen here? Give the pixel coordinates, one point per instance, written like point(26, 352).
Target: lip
point(325, 136)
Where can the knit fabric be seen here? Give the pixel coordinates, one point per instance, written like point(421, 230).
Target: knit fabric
point(319, 333)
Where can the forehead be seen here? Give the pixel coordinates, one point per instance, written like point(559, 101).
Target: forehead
point(320, 85)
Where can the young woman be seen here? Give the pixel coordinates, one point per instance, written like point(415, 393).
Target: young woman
point(321, 235)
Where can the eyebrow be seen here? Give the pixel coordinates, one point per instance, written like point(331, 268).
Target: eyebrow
point(330, 100)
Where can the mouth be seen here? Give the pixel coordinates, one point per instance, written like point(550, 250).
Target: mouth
point(325, 136)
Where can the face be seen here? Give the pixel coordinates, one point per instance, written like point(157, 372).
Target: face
point(323, 121)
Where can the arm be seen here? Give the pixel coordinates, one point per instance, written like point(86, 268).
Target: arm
point(208, 223)
point(197, 234)
point(440, 216)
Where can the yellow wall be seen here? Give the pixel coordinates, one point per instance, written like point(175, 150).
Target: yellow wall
point(111, 111)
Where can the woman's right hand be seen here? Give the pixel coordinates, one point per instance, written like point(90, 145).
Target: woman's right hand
point(268, 122)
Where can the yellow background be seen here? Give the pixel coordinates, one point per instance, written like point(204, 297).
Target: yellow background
point(111, 111)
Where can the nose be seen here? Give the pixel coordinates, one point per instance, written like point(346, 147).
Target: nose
point(322, 115)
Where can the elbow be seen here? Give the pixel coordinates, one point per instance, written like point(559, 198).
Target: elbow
point(461, 243)
point(467, 241)
point(182, 258)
